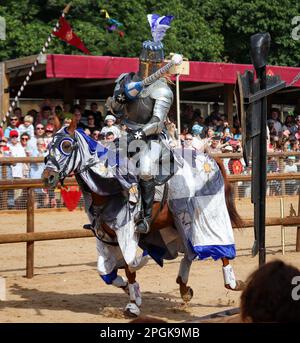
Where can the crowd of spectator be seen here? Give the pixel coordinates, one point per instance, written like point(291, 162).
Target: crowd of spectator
point(30, 134)
point(214, 135)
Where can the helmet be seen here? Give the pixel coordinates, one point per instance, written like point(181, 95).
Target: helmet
point(152, 54)
point(151, 58)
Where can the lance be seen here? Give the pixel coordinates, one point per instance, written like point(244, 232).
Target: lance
point(34, 65)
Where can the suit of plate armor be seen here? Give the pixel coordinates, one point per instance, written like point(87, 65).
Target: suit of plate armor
point(144, 116)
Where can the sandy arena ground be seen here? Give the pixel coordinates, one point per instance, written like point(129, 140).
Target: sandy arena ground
point(67, 288)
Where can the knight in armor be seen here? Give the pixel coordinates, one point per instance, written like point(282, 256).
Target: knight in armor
point(145, 108)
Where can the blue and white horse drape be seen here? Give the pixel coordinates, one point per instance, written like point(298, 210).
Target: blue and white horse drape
point(197, 201)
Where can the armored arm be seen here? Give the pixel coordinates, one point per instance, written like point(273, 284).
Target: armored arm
point(116, 103)
point(163, 98)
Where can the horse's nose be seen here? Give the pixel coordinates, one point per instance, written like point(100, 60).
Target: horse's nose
point(49, 178)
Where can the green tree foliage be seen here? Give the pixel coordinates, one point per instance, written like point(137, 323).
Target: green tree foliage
point(239, 19)
point(203, 30)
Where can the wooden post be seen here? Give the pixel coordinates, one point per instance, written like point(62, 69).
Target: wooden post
point(69, 92)
point(228, 103)
point(298, 229)
point(282, 227)
point(3, 202)
point(30, 228)
point(4, 91)
point(281, 169)
point(2, 289)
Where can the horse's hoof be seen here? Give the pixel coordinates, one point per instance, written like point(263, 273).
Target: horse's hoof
point(188, 296)
point(132, 310)
point(240, 286)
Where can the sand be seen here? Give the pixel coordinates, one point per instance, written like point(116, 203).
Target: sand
point(66, 287)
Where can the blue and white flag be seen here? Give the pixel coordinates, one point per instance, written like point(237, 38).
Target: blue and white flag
point(159, 25)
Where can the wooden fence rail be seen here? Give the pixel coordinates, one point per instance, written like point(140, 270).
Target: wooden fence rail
point(30, 237)
point(70, 234)
point(38, 183)
point(12, 160)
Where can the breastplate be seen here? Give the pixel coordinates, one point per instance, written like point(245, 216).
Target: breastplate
point(139, 111)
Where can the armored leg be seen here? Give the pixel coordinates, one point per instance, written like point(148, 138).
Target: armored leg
point(147, 193)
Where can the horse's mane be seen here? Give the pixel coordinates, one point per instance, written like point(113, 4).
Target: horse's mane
point(229, 196)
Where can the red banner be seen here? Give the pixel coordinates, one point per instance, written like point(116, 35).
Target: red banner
point(71, 196)
point(66, 34)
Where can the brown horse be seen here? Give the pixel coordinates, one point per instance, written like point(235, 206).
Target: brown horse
point(62, 163)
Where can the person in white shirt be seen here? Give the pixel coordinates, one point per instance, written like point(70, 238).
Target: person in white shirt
point(110, 126)
point(290, 167)
point(16, 151)
point(27, 126)
point(275, 122)
point(17, 171)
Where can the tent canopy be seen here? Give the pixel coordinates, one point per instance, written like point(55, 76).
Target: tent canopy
point(92, 77)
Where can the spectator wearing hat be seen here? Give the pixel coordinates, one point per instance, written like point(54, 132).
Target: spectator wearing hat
point(197, 130)
point(110, 126)
point(13, 123)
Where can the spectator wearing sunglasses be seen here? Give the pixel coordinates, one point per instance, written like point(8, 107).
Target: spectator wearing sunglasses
point(18, 113)
point(39, 131)
point(25, 138)
point(13, 125)
point(4, 149)
point(91, 123)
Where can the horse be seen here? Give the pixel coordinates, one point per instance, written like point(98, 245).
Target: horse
point(72, 151)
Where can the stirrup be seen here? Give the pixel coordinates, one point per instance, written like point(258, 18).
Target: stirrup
point(142, 222)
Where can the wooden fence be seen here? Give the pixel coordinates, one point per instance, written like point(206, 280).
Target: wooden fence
point(30, 184)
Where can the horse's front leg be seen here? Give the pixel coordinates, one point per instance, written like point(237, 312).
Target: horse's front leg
point(132, 309)
point(230, 281)
point(186, 292)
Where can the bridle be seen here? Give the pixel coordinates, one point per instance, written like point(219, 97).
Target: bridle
point(62, 174)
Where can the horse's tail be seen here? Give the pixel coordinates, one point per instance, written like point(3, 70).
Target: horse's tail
point(229, 196)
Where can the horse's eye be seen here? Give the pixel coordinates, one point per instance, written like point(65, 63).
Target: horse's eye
point(66, 147)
